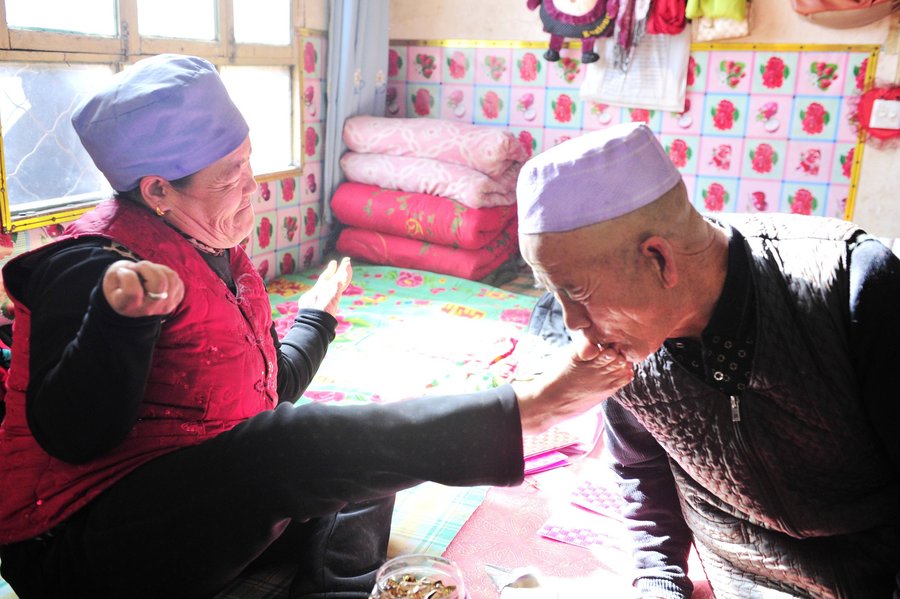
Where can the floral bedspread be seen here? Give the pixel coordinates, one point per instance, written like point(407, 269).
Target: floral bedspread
point(404, 333)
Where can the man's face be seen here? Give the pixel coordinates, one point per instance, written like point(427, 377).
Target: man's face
point(215, 207)
point(614, 301)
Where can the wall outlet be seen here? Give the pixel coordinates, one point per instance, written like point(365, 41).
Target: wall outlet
point(885, 114)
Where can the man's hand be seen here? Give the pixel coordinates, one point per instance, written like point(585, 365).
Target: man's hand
point(136, 289)
point(330, 286)
point(582, 376)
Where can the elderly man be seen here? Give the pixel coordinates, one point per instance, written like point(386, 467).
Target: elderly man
point(760, 424)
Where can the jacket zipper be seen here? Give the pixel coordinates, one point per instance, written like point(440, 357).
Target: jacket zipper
point(756, 466)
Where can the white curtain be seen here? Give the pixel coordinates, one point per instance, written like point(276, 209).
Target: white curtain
point(356, 80)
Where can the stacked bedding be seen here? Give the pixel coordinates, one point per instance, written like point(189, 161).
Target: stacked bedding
point(428, 194)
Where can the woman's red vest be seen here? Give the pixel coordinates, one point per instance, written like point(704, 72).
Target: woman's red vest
point(214, 366)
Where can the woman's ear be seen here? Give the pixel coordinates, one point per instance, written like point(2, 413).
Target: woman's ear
point(659, 251)
point(153, 190)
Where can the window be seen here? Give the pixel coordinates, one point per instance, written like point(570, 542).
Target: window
point(53, 51)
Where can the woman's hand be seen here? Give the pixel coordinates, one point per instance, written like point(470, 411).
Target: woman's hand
point(326, 293)
point(136, 289)
point(582, 376)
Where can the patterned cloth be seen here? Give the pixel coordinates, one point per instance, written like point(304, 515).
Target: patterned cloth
point(426, 175)
point(381, 248)
point(490, 150)
point(419, 216)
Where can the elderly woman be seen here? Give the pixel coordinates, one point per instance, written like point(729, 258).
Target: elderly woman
point(142, 452)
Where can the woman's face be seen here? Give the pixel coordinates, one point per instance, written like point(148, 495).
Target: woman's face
point(215, 207)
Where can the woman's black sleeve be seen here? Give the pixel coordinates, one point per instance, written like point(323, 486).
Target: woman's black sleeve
point(88, 365)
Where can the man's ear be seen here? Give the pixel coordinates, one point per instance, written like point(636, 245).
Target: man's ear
point(659, 251)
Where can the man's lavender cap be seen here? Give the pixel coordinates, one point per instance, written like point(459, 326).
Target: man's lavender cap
point(168, 116)
point(593, 178)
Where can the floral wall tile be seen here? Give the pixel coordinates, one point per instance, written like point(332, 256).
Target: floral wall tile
point(309, 222)
point(286, 261)
point(715, 194)
point(397, 63)
point(683, 150)
point(598, 115)
point(424, 64)
point(799, 198)
point(554, 137)
point(422, 100)
point(764, 159)
point(288, 227)
point(527, 106)
point(313, 106)
point(729, 71)
point(857, 68)
point(653, 118)
point(687, 122)
point(567, 71)
point(312, 57)
point(459, 65)
point(848, 126)
point(265, 265)
point(725, 115)
point(529, 68)
point(769, 116)
point(815, 118)
point(493, 66)
point(312, 141)
point(457, 102)
point(310, 253)
point(289, 193)
point(690, 184)
point(842, 165)
point(310, 183)
point(264, 198)
point(698, 65)
point(563, 108)
point(759, 195)
point(775, 73)
point(720, 156)
point(491, 105)
point(822, 73)
point(836, 206)
point(531, 138)
point(395, 100)
point(808, 161)
point(264, 233)
point(745, 127)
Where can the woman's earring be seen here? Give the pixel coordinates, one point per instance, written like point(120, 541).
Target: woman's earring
point(159, 211)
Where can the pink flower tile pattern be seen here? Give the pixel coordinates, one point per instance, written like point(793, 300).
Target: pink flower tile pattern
point(757, 126)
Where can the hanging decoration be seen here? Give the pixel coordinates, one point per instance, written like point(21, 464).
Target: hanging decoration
point(585, 20)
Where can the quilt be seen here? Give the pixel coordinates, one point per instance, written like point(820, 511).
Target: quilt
point(381, 248)
point(492, 151)
point(421, 216)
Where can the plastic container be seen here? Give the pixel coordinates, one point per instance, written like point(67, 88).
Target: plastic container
point(418, 576)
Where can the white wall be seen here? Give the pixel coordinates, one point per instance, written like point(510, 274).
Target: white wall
point(314, 14)
point(772, 21)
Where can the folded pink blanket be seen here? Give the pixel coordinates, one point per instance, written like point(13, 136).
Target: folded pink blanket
point(490, 150)
point(419, 216)
point(380, 248)
point(466, 185)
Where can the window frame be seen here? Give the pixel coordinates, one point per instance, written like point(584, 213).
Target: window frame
point(20, 45)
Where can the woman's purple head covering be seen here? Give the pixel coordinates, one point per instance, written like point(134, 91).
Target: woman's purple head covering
point(168, 115)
